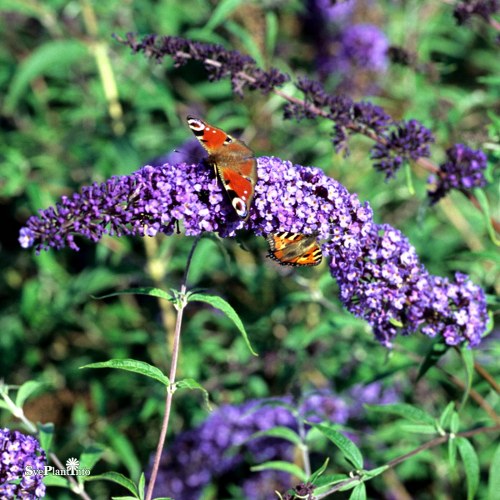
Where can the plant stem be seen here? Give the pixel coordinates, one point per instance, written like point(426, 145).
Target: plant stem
point(75, 487)
point(180, 306)
point(306, 463)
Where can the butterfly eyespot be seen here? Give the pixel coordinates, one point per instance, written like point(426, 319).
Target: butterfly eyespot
point(240, 207)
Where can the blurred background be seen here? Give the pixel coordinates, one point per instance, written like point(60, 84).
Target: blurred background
point(78, 107)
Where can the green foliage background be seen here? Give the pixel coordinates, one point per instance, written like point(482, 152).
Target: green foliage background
point(78, 107)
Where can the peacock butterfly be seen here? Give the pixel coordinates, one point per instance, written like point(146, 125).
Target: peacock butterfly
point(233, 161)
point(294, 249)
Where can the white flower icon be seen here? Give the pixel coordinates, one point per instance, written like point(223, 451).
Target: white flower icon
point(72, 465)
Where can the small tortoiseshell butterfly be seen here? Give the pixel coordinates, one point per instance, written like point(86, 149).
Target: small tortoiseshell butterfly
point(233, 161)
point(294, 249)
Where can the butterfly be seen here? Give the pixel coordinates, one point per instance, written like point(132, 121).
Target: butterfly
point(233, 161)
point(294, 249)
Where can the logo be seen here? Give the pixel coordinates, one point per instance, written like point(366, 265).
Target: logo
point(72, 469)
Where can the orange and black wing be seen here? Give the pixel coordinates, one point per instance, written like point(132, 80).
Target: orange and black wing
point(294, 249)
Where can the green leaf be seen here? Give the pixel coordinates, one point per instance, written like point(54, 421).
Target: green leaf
point(437, 350)
point(485, 207)
point(221, 13)
point(132, 365)
point(272, 26)
point(147, 290)
point(292, 469)
point(359, 492)
point(369, 474)
point(494, 476)
point(471, 465)
point(468, 362)
point(45, 435)
point(409, 179)
point(59, 481)
point(419, 428)
point(280, 432)
point(142, 485)
point(227, 309)
point(404, 410)
point(326, 481)
point(452, 452)
point(396, 322)
point(124, 450)
point(455, 422)
point(446, 416)
point(26, 390)
point(51, 57)
point(191, 384)
point(115, 477)
point(90, 456)
point(346, 446)
point(247, 40)
point(35, 9)
point(319, 472)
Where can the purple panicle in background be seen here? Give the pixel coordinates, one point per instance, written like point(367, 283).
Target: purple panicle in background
point(17, 452)
point(221, 447)
point(481, 8)
point(350, 53)
point(358, 47)
point(410, 140)
point(463, 170)
point(371, 394)
point(322, 405)
point(378, 271)
point(241, 69)
point(190, 152)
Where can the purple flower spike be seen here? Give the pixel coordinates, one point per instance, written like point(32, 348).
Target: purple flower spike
point(410, 140)
point(463, 170)
point(379, 274)
point(19, 453)
point(361, 46)
point(223, 444)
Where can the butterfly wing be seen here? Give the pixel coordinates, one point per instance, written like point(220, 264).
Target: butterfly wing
point(294, 249)
point(234, 161)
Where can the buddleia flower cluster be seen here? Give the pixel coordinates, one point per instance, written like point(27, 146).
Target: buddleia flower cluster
point(223, 448)
point(379, 274)
point(20, 453)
